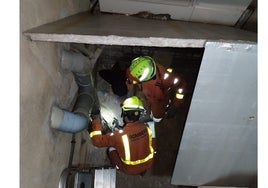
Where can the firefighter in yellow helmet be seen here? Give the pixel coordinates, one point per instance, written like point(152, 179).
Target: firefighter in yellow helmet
point(131, 148)
point(163, 89)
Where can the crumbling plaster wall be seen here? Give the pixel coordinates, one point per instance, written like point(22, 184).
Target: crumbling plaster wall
point(43, 152)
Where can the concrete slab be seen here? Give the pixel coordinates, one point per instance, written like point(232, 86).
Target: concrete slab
point(117, 29)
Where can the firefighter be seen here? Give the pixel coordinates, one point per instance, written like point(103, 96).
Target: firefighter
point(162, 88)
point(131, 149)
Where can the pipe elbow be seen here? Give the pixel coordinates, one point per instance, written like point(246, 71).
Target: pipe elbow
point(75, 62)
point(66, 121)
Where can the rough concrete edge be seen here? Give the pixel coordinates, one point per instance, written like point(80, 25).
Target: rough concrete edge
point(118, 40)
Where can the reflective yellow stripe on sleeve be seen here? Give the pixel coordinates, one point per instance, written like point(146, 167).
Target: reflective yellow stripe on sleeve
point(94, 133)
point(179, 96)
point(127, 150)
point(169, 70)
point(126, 147)
point(150, 141)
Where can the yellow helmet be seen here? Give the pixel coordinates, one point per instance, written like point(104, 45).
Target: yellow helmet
point(132, 103)
point(132, 108)
point(142, 69)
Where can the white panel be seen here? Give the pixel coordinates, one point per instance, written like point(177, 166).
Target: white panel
point(181, 10)
point(219, 143)
point(219, 187)
point(228, 16)
point(223, 3)
point(226, 12)
point(168, 2)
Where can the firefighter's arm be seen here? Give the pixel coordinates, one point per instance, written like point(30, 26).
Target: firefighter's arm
point(174, 84)
point(176, 99)
point(177, 89)
point(130, 86)
point(98, 139)
point(179, 94)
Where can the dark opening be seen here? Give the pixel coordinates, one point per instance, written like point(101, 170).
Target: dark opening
point(186, 62)
point(82, 185)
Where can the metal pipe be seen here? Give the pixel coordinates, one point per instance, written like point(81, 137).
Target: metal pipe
point(66, 121)
point(71, 156)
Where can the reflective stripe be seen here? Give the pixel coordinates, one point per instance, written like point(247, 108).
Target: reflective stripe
point(126, 147)
point(127, 154)
point(110, 149)
point(179, 96)
point(154, 118)
point(166, 75)
point(157, 119)
point(150, 156)
point(94, 133)
point(144, 74)
point(150, 141)
point(180, 90)
point(169, 70)
point(151, 125)
point(175, 80)
point(132, 106)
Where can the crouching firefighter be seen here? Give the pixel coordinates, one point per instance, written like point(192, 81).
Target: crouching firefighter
point(131, 148)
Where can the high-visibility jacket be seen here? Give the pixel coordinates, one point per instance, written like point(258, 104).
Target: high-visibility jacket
point(162, 91)
point(134, 146)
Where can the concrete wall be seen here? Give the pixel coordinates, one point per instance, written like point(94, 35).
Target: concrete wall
point(43, 152)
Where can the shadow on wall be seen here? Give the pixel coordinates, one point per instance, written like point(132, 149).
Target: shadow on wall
point(236, 180)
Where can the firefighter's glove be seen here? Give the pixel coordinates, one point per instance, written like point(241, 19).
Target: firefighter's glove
point(171, 111)
point(95, 114)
